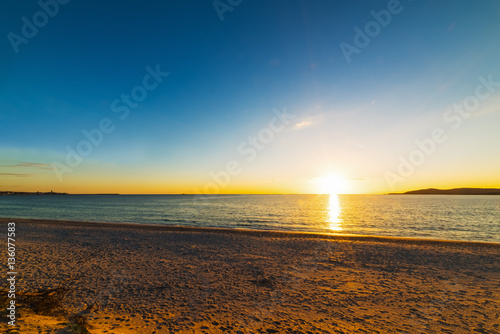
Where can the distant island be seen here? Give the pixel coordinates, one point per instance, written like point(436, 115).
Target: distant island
point(455, 191)
point(20, 193)
point(30, 193)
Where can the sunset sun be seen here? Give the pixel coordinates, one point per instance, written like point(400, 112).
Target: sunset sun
point(332, 184)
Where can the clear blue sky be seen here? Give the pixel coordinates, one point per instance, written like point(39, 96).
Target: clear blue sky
point(226, 77)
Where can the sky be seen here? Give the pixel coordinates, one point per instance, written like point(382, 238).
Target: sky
point(161, 97)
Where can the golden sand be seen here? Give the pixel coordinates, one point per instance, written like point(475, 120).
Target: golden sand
point(154, 279)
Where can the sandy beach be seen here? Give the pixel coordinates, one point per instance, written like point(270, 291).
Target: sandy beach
point(154, 279)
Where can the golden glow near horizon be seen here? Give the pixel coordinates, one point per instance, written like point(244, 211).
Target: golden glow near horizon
point(334, 213)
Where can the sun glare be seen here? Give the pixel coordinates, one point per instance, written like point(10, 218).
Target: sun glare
point(334, 213)
point(332, 184)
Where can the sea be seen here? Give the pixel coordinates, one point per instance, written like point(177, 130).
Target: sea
point(449, 217)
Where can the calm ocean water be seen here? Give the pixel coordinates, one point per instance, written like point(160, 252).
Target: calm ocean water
point(474, 218)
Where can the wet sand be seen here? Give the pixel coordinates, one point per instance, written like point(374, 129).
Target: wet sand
point(155, 279)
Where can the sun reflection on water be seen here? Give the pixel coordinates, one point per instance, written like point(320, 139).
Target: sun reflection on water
point(334, 213)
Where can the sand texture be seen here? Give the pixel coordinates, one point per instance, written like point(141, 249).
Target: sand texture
point(156, 280)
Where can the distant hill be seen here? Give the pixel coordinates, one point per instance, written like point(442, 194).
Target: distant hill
point(455, 191)
point(30, 193)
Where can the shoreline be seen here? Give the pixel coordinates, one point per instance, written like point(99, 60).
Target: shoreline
point(255, 232)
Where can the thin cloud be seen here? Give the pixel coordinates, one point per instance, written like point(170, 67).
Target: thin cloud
point(15, 174)
point(29, 165)
point(301, 125)
point(489, 106)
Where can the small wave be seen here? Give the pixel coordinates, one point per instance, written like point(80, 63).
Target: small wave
point(257, 221)
point(179, 221)
point(244, 224)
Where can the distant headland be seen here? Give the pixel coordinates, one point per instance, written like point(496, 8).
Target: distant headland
point(21, 193)
point(455, 191)
point(30, 193)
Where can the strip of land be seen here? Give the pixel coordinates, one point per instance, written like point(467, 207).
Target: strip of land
point(455, 191)
point(22, 193)
point(155, 279)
